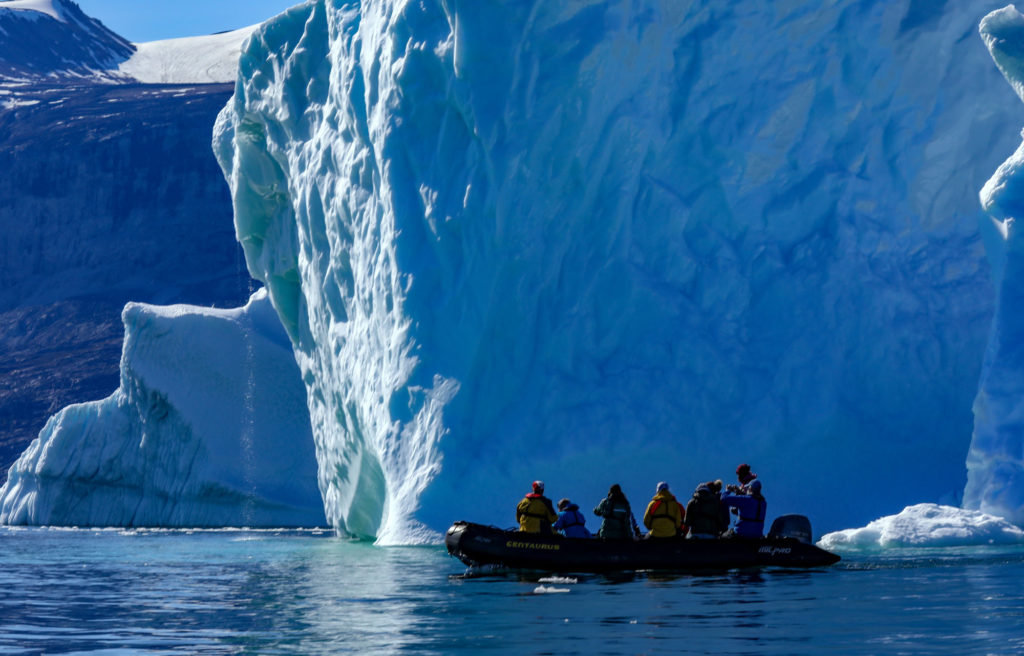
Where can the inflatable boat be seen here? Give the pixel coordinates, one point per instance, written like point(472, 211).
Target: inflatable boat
point(788, 545)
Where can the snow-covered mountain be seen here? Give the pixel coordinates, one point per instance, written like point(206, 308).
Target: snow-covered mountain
point(54, 37)
point(192, 60)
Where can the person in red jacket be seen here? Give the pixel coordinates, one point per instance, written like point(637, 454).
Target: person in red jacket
point(535, 513)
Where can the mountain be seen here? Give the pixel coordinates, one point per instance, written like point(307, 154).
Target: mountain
point(54, 37)
point(111, 194)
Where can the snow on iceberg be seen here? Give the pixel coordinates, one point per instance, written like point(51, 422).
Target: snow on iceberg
point(209, 428)
point(926, 525)
point(995, 462)
point(621, 242)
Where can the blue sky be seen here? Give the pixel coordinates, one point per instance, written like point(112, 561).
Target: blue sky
point(146, 20)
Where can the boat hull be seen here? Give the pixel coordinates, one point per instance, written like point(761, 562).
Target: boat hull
point(475, 545)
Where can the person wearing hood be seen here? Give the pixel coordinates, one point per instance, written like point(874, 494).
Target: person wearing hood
point(618, 522)
point(749, 510)
point(706, 517)
point(571, 521)
point(664, 515)
point(535, 513)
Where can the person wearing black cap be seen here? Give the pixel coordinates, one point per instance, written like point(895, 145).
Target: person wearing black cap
point(535, 513)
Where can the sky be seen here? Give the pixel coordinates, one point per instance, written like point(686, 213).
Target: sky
point(151, 20)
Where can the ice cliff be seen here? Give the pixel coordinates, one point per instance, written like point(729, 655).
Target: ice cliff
point(622, 242)
point(158, 453)
point(995, 463)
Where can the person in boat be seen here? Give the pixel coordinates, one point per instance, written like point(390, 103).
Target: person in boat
point(749, 509)
point(617, 520)
point(745, 478)
point(664, 515)
point(535, 513)
point(571, 521)
point(706, 518)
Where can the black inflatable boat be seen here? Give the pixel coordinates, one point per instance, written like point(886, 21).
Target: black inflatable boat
point(788, 545)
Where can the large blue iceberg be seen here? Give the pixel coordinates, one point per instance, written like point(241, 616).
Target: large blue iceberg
point(623, 242)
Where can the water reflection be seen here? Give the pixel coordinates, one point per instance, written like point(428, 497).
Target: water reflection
point(334, 594)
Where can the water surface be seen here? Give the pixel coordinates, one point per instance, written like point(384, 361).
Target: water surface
point(280, 592)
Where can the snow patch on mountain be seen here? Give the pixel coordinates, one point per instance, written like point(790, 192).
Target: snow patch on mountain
point(46, 38)
point(191, 60)
point(36, 9)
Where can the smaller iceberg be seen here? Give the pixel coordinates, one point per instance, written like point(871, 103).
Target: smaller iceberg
point(209, 428)
point(926, 525)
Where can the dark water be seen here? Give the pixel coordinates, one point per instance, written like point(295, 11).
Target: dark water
point(82, 591)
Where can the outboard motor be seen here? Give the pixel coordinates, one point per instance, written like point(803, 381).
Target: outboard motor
point(792, 526)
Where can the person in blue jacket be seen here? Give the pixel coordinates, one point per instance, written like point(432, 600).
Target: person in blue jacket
point(571, 521)
point(749, 508)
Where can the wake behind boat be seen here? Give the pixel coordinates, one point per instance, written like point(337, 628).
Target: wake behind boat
point(787, 545)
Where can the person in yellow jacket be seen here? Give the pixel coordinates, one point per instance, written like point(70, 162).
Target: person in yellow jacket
point(535, 513)
point(664, 516)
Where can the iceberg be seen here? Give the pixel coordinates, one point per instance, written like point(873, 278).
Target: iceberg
point(621, 242)
point(995, 461)
point(207, 429)
point(926, 525)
